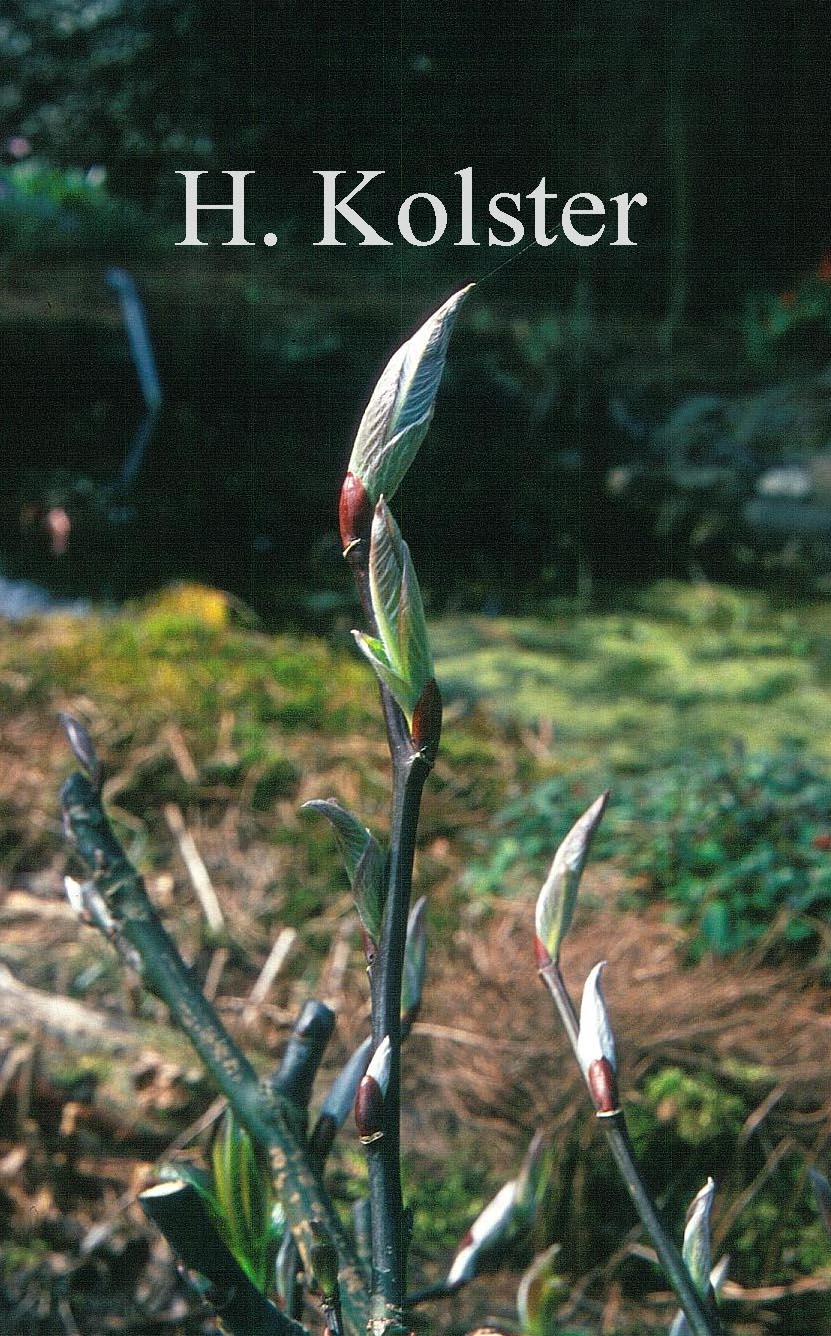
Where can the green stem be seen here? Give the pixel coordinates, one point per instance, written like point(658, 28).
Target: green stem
point(164, 972)
point(702, 1322)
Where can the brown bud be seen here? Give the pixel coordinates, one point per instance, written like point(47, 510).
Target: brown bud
point(354, 511)
point(369, 1111)
point(602, 1084)
point(426, 729)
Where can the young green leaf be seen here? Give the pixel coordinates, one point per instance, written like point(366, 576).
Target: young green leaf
point(242, 1191)
point(680, 1326)
point(400, 653)
point(363, 858)
point(401, 406)
point(375, 652)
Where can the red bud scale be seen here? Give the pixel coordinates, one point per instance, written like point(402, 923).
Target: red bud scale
point(354, 511)
point(602, 1083)
point(369, 1101)
point(541, 954)
point(426, 727)
point(369, 1111)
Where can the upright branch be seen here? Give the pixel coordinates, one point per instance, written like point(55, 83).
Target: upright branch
point(393, 426)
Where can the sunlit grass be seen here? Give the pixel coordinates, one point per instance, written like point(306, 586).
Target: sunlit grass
point(679, 668)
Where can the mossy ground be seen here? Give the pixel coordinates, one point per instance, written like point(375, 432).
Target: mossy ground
point(192, 706)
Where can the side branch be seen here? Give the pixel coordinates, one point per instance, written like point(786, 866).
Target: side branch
point(702, 1321)
point(136, 922)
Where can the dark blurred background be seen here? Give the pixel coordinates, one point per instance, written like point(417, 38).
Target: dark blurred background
point(608, 414)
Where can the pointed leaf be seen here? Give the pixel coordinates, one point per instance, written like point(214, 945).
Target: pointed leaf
point(398, 414)
point(353, 838)
point(412, 628)
point(369, 887)
point(386, 567)
point(399, 689)
point(397, 607)
point(556, 900)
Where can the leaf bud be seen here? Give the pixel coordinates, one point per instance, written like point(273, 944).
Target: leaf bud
point(83, 748)
point(426, 726)
point(400, 408)
point(696, 1248)
point(487, 1231)
point(556, 900)
point(369, 1101)
point(596, 1046)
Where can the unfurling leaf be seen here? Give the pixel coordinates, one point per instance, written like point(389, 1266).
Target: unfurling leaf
point(242, 1190)
point(363, 858)
point(401, 406)
point(680, 1326)
point(512, 1212)
point(556, 900)
point(400, 652)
